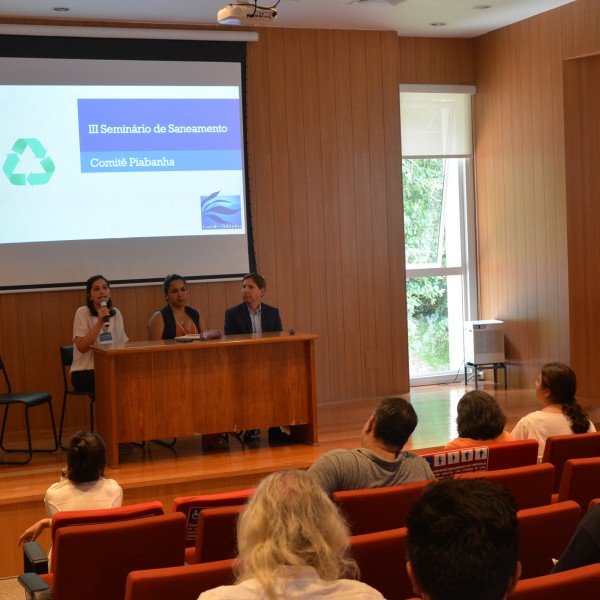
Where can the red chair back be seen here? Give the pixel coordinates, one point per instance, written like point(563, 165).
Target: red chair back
point(545, 532)
point(93, 561)
point(583, 582)
point(594, 502)
point(580, 481)
point(378, 509)
point(530, 486)
point(192, 506)
point(183, 583)
point(216, 538)
point(448, 463)
point(381, 557)
point(69, 518)
point(560, 448)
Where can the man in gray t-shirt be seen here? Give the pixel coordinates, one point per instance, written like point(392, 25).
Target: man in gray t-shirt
point(380, 462)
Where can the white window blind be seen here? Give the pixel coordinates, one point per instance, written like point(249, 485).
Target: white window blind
point(436, 122)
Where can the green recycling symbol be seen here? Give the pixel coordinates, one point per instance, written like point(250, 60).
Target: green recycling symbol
point(13, 160)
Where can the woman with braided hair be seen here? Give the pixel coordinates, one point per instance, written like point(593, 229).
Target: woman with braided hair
point(560, 414)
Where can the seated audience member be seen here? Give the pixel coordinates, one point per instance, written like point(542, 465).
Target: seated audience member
point(254, 316)
point(463, 542)
point(292, 543)
point(98, 322)
point(176, 318)
point(584, 547)
point(82, 487)
point(561, 414)
point(380, 462)
point(479, 419)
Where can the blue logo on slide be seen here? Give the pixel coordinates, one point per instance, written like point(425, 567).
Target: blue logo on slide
point(221, 212)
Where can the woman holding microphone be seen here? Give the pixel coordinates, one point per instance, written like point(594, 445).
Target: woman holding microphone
point(98, 322)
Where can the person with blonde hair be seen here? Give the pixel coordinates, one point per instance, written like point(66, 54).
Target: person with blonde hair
point(292, 543)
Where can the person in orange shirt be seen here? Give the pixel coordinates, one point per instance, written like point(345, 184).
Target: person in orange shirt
point(479, 420)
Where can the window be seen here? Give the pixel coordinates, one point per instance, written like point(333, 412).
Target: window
point(439, 230)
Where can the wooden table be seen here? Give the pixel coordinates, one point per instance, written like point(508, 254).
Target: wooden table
point(165, 389)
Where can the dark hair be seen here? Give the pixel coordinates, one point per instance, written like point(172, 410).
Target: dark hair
point(169, 279)
point(463, 540)
point(561, 381)
point(88, 290)
point(86, 457)
point(395, 420)
point(258, 279)
point(479, 416)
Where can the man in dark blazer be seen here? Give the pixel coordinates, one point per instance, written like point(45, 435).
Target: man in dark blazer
point(252, 315)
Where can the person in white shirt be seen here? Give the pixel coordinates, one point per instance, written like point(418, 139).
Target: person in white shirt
point(560, 414)
point(293, 543)
point(82, 486)
point(98, 322)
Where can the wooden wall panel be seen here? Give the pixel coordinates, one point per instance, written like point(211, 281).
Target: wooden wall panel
point(521, 198)
point(582, 113)
point(436, 60)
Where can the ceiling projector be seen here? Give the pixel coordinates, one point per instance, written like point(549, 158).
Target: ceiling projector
point(245, 13)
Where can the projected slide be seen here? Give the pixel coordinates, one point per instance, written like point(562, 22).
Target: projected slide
point(130, 168)
point(111, 159)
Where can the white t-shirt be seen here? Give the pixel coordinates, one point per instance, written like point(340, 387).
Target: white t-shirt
point(540, 425)
point(66, 495)
point(83, 323)
point(294, 582)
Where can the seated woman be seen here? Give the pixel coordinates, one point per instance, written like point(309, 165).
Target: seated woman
point(561, 414)
point(479, 420)
point(176, 318)
point(98, 322)
point(293, 543)
point(82, 486)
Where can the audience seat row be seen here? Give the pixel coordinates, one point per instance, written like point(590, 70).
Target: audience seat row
point(545, 532)
point(376, 516)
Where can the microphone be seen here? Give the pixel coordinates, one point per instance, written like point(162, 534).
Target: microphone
point(105, 318)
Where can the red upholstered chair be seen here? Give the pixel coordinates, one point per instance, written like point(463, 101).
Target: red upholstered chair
point(497, 456)
point(583, 582)
point(560, 448)
point(182, 583)
point(381, 557)
point(594, 502)
point(34, 554)
point(545, 532)
point(216, 538)
point(93, 561)
point(192, 506)
point(378, 509)
point(530, 486)
point(580, 481)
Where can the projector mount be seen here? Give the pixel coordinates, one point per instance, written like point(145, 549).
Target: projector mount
point(245, 12)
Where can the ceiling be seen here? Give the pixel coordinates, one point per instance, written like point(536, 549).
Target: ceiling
point(462, 18)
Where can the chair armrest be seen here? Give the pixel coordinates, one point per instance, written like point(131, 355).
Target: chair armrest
point(34, 559)
point(35, 587)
